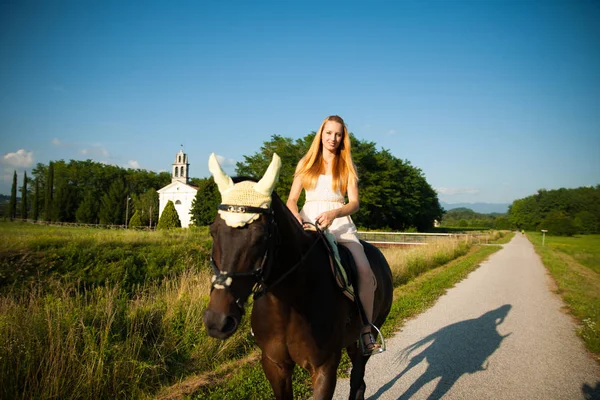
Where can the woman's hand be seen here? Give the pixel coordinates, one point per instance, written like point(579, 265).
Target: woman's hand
point(298, 217)
point(326, 218)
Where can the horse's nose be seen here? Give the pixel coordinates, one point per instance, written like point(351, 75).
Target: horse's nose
point(219, 325)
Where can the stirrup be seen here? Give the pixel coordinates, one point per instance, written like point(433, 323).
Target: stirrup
point(373, 340)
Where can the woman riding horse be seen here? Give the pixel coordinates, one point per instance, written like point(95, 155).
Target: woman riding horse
point(299, 315)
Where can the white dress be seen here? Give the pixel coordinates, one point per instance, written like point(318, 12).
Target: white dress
point(322, 198)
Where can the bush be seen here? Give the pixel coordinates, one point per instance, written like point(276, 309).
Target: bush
point(135, 221)
point(169, 218)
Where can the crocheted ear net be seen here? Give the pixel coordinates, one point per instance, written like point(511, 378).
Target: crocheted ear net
point(243, 194)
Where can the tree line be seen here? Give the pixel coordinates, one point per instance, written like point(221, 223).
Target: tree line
point(87, 192)
point(560, 212)
point(466, 218)
point(394, 195)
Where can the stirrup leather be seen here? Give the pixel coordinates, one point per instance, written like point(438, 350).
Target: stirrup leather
point(378, 339)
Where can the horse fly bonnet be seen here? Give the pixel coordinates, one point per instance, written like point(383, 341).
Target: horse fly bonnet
point(240, 201)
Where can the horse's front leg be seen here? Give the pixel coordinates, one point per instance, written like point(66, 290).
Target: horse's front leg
point(324, 377)
point(279, 373)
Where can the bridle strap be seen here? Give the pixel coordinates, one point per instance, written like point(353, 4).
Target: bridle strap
point(244, 209)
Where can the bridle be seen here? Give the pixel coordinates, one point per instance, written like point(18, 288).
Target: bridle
point(224, 279)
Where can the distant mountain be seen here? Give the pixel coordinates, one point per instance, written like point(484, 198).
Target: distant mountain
point(482, 208)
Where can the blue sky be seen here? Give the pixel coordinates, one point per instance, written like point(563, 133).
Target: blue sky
point(492, 100)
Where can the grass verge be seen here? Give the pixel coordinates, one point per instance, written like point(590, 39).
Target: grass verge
point(574, 263)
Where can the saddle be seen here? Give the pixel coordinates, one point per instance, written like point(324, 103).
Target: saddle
point(343, 267)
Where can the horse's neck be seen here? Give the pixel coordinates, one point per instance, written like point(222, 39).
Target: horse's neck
point(291, 234)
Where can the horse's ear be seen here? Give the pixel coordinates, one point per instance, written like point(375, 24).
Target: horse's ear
point(267, 183)
point(222, 180)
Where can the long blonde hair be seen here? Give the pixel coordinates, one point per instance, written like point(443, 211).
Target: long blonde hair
point(312, 164)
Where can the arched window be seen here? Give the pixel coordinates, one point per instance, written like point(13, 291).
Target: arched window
point(181, 172)
point(176, 172)
point(179, 159)
point(178, 202)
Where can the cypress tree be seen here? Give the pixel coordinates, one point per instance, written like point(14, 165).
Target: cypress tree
point(169, 218)
point(205, 203)
point(49, 193)
point(12, 207)
point(87, 212)
point(135, 221)
point(24, 197)
point(36, 200)
point(113, 203)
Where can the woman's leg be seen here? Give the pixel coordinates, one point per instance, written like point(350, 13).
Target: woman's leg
point(366, 288)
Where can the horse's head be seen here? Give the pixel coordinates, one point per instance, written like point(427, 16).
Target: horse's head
point(242, 246)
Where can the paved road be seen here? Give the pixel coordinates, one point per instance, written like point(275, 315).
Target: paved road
point(499, 334)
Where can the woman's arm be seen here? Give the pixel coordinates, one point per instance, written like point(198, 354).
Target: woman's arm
point(292, 201)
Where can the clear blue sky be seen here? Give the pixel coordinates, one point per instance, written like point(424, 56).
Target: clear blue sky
point(492, 100)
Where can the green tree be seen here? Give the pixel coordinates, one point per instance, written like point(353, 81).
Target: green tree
point(290, 151)
point(48, 205)
point(135, 221)
point(542, 208)
point(12, 206)
point(87, 212)
point(204, 205)
point(64, 201)
point(147, 204)
point(36, 200)
point(585, 222)
point(393, 193)
point(501, 223)
point(558, 223)
point(112, 206)
point(24, 197)
point(169, 218)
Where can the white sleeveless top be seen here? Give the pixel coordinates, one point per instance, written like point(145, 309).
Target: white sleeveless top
point(322, 198)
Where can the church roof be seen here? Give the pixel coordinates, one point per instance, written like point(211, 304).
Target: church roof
point(175, 184)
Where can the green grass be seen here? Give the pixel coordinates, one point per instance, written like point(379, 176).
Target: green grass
point(574, 262)
point(31, 253)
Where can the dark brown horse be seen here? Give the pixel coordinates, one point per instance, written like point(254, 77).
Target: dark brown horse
point(299, 314)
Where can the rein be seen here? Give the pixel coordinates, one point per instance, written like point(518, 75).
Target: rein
point(224, 279)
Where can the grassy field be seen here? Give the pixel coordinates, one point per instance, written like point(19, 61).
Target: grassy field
point(574, 262)
point(32, 253)
point(88, 313)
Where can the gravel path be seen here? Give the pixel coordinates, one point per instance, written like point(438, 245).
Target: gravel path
point(499, 334)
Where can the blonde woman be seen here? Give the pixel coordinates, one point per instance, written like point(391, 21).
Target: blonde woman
point(327, 173)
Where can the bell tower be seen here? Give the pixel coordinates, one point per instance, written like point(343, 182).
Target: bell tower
point(181, 168)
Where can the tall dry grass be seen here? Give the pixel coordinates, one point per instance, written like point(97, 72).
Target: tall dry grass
point(408, 263)
point(70, 343)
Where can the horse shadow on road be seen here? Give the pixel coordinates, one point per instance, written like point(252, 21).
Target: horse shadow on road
point(455, 350)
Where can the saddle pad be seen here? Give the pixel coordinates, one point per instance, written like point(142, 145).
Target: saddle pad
point(343, 272)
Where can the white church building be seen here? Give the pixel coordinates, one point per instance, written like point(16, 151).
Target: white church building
point(179, 191)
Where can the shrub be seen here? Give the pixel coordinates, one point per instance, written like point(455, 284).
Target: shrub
point(135, 221)
point(169, 218)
